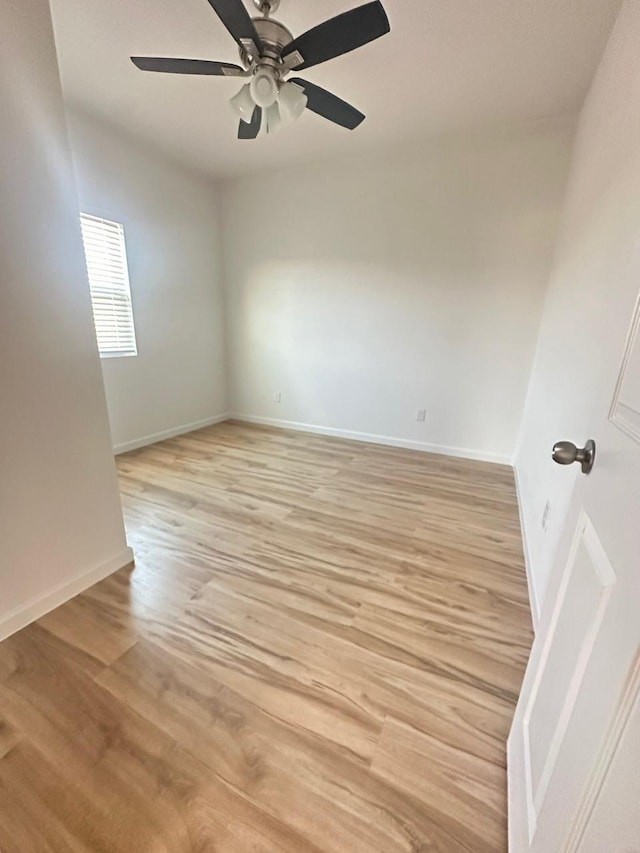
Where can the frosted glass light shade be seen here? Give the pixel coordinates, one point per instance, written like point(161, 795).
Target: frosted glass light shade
point(273, 118)
point(292, 101)
point(243, 104)
point(264, 89)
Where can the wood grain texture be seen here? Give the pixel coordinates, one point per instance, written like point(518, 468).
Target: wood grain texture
point(318, 650)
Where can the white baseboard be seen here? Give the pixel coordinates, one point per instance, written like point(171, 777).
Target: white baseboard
point(533, 596)
point(410, 444)
point(24, 615)
point(144, 440)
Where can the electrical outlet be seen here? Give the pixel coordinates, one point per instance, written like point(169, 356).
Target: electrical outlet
point(277, 397)
point(545, 516)
point(421, 416)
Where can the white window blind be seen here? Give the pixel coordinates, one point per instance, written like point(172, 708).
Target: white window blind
point(106, 257)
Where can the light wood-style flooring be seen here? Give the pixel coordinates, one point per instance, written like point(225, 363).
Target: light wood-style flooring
point(318, 651)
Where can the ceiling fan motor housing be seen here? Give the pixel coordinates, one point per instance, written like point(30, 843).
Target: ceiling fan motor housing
point(274, 37)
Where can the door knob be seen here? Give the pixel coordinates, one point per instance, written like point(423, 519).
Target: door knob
point(565, 452)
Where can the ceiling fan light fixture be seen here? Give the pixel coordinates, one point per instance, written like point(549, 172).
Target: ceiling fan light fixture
point(242, 103)
point(292, 100)
point(264, 89)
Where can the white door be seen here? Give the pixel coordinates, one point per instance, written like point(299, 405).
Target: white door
point(574, 786)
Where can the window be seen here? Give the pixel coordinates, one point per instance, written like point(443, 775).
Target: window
point(106, 258)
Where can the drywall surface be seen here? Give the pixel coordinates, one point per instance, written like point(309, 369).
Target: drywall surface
point(177, 380)
point(598, 242)
point(364, 290)
point(60, 516)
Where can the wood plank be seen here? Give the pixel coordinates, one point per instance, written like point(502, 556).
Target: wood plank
point(467, 790)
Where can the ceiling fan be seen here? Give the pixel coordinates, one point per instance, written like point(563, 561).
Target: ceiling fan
point(269, 53)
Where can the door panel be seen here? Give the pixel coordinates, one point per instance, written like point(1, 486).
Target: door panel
point(611, 809)
point(625, 410)
point(577, 619)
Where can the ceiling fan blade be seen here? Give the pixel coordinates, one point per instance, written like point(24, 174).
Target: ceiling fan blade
point(187, 66)
point(330, 106)
point(252, 129)
point(237, 20)
point(339, 35)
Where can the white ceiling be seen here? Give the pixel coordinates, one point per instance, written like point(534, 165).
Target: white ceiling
point(446, 65)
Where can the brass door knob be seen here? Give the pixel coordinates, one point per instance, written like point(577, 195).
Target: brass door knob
point(565, 453)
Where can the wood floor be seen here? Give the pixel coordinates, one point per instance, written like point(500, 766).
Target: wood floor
point(318, 651)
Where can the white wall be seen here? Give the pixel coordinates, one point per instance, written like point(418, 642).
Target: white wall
point(366, 289)
point(599, 234)
point(177, 380)
point(60, 519)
